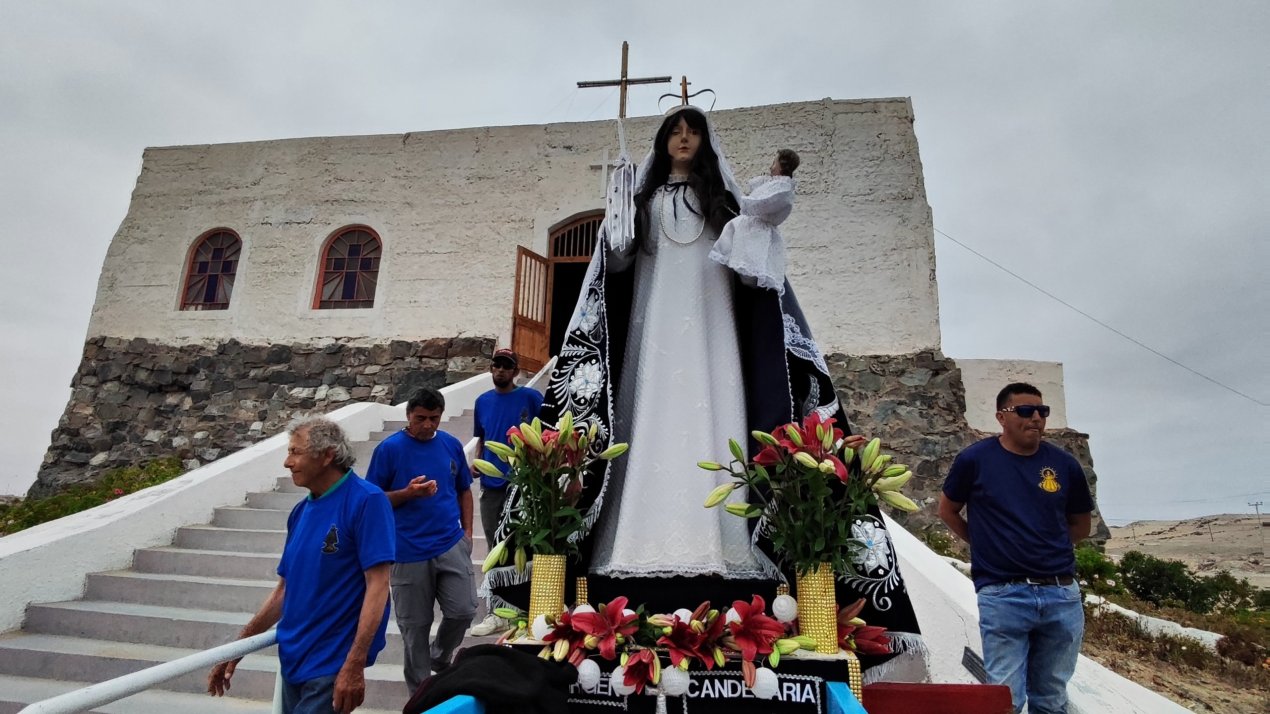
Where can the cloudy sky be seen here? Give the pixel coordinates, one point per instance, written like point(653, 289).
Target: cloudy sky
point(1114, 154)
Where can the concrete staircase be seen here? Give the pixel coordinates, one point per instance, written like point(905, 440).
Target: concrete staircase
point(192, 595)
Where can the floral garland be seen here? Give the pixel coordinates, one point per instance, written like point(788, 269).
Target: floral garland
point(688, 639)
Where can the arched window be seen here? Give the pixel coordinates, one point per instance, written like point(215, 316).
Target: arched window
point(576, 239)
point(350, 270)
point(209, 281)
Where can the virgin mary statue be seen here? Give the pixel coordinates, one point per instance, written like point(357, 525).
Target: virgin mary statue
point(675, 354)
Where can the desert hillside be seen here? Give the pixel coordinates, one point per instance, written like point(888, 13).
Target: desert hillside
point(1207, 544)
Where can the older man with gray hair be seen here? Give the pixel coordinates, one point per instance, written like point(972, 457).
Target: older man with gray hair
point(331, 600)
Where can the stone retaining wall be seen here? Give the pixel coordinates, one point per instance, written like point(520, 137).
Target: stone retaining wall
point(133, 400)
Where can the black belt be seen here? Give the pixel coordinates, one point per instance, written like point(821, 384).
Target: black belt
point(1047, 580)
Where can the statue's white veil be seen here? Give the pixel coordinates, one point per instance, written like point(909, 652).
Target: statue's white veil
point(725, 169)
point(627, 181)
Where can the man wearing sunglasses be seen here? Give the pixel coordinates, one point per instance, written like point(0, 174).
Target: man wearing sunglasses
point(1027, 503)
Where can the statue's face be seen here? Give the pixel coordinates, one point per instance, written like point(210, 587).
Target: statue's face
point(683, 144)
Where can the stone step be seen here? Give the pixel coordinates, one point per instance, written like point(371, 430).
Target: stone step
point(160, 625)
point(235, 539)
point(211, 563)
point(88, 660)
point(362, 451)
point(172, 590)
point(17, 692)
point(274, 500)
point(286, 485)
point(252, 518)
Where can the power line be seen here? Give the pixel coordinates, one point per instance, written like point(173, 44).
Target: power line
point(1087, 316)
point(601, 104)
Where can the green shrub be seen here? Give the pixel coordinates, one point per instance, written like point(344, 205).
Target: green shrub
point(942, 542)
point(80, 497)
point(1261, 601)
point(1168, 583)
point(1097, 573)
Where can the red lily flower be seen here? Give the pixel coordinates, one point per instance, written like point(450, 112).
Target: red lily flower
point(683, 642)
point(605, 624)
point(768, 457)
point(868, 639)
point(839, 468)
point(563, 629)
point(755, 632)
point(642, 668)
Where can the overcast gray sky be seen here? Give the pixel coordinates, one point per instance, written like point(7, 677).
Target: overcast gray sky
point(1113, 153)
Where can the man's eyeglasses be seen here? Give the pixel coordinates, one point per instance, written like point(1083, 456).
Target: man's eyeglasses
point(1027, 410)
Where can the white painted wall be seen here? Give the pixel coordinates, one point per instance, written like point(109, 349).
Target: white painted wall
point(985, 377)
point(451, 206)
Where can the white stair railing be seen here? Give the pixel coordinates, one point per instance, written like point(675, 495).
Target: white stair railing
point(96, 695)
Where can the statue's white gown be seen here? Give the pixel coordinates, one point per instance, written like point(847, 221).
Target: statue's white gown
point(679, 401)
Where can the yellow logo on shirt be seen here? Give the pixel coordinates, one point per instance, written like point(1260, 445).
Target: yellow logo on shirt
point(1049, 480)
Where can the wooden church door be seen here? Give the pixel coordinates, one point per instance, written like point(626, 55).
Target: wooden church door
point(547, 288)
point(530, 308)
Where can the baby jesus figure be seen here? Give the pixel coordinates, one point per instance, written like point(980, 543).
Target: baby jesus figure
point(750, 244)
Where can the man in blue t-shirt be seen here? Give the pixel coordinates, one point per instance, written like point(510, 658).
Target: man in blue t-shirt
point(498, 410)
point(1028, 503)
point(425, 474)
point(331, 600)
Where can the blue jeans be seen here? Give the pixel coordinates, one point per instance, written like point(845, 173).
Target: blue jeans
point(1031, 639)
point(316, 696)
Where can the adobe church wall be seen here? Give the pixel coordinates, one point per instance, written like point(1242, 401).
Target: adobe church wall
point(452, 206)
point(917, 404)
point(133, 400)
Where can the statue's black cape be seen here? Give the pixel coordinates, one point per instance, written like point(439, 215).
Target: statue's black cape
point(785, 377)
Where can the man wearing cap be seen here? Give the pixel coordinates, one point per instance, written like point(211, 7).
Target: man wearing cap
point(499, 409)
point(1028, 503)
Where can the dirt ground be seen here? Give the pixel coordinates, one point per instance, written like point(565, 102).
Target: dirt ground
point(1196, 690)
point(1207, 544)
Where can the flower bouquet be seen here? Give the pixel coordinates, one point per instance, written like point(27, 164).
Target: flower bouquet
point(546, 472)
point(807, 485)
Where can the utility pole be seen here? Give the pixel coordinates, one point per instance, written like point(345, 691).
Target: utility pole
point(1261, 526)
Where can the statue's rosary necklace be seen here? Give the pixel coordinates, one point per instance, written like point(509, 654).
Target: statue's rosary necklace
point(674, 188)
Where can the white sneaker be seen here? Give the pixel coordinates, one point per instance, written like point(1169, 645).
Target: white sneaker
point(491, 624)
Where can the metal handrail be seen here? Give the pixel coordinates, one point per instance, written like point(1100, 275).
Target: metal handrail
point(111, 690)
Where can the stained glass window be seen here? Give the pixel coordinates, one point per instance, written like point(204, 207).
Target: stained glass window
point(213, 264)
point(350, 270)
